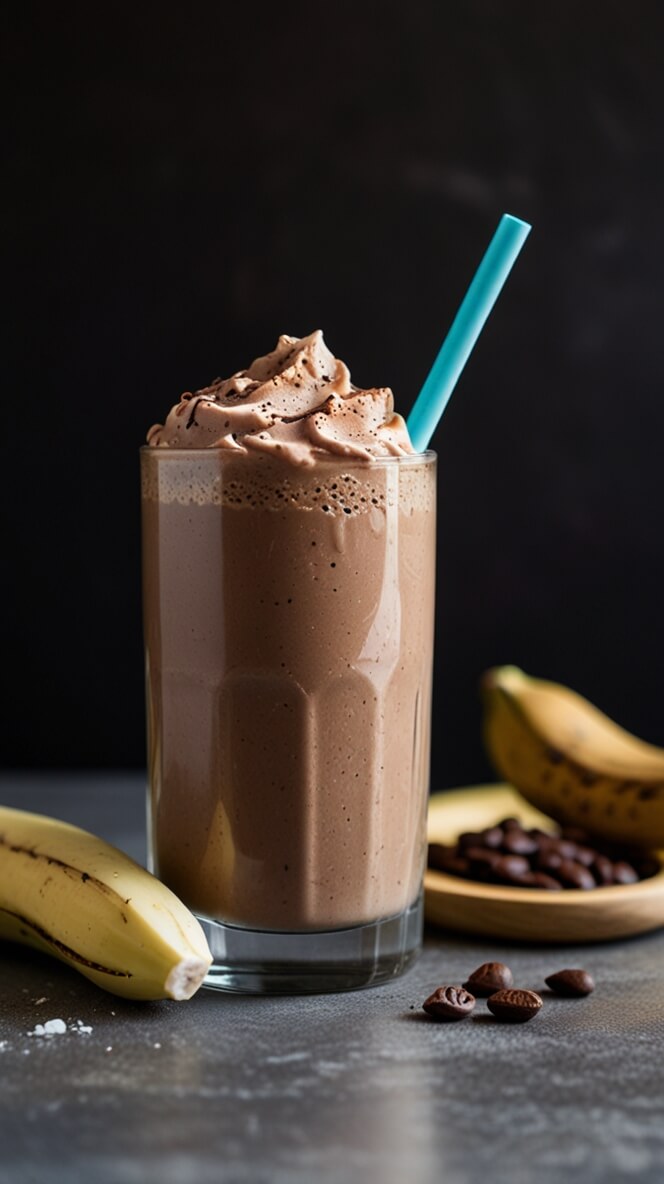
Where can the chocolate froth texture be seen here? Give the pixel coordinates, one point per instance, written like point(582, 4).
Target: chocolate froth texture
point(297, 402)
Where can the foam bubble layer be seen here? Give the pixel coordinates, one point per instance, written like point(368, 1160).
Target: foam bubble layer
point(336, 488)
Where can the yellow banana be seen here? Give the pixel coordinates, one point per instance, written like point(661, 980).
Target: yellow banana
point(70, 894)
point(571, 761)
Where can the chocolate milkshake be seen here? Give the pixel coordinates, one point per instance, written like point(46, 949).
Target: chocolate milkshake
point(289, 554)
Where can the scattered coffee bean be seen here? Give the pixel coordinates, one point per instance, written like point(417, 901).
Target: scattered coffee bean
point(449, 1004)
point(572, 983)
point(489, 978)
point(509, 854)
point(508, 1004)
point(514, 1006)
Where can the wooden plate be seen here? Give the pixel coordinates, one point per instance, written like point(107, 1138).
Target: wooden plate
point(528, 914)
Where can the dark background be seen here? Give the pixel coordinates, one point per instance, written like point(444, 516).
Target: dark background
point(181, 188)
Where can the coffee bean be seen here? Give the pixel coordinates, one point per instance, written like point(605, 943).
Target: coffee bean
point(489, 978)
point(624, 873)
point(602, 869)
point(514, 1006)
point(517, 842)
point(544, 845)
point(540, 880)
point(572, 983)
point(449, 1004)
point(575, 875)
point(527, 880)
point(549, 861)
point(585, 855)
point(509, 867)
point(492, 837)
point(565, 849)
point(510, 823)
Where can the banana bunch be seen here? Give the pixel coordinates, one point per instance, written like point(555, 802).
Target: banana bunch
point(72, 895)
point(571, 761)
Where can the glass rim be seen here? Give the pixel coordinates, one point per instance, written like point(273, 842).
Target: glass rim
point(406, 458)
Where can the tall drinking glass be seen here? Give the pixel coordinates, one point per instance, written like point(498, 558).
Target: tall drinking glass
point(289, 617)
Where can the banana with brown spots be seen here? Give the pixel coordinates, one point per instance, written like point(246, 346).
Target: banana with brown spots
point(70, 894)
point(571, 761)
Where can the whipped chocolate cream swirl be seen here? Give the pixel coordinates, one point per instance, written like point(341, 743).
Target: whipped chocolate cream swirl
point(297, 402)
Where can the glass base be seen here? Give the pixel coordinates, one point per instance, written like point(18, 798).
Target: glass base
point(262, 962)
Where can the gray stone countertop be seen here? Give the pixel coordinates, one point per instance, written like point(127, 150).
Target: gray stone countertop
point(325, 1089)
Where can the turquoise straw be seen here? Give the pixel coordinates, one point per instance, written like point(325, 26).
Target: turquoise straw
point(466, 327)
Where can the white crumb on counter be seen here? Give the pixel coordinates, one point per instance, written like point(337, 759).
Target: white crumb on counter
point(58, 1027)
point(50, 1028)
point(81, 1028)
